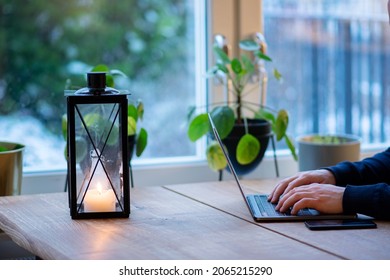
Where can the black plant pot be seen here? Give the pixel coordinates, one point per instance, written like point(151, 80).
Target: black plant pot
point(261, 129)
point(130, 146)
point(130, 151)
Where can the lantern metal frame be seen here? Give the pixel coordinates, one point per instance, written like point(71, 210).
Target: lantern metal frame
point(122, 199)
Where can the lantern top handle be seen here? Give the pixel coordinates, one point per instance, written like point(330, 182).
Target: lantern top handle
point(96, 85)
point(96, 81)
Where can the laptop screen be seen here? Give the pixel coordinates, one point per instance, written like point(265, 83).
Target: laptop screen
point(228, 160)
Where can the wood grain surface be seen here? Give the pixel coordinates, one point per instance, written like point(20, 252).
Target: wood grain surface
point(182, 222)
point(346, 244)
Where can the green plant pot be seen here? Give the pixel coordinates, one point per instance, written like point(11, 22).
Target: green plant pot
point(261, 129)
point(11, 168)
point(317, 151)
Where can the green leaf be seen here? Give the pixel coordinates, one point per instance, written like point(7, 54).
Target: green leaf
point(215, 157)
point(132, 112)
point(110, 82)
point(114, 135)
point(248, 65)
point(198, 127)
point(277, 75)
point(281, 124)
point(263, 114)
point(81, 148)
point(191, 112)
point(100, 68)
point(247, 149)
point(223, 118)
point(104, 68)
point(3, 149)
point(221, 55)
point(222, 68)
point(131, 126)
point(142, 141)
point(263, 56)
point(291, 146)
point(140, 110)
point(18, 146)
point(64, 125)
point(249, 45)
point(95, 123)
point(236, 66)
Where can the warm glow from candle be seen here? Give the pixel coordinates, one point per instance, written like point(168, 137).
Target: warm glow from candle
point(99, 188)
point(100, 197)
point(99, 200)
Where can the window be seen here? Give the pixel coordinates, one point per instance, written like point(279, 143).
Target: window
point(46, 44)
point(334, 56)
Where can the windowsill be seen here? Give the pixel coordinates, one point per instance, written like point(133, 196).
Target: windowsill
point(175, 172)
point(159, 174)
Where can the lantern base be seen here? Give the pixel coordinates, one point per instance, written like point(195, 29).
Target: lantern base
point(81, 214)
point(98, 215)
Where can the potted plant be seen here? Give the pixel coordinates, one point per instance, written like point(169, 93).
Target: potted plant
point(321, 150)
point(245, 127)
point(11, 168)
point(137, 137)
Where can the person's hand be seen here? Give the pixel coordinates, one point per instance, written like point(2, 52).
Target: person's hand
point(323, 197)
point(321, 176)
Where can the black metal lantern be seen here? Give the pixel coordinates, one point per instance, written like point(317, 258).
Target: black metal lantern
point(97, 151)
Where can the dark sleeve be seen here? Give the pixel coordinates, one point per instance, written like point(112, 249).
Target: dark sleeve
point(371, 200)
point(369, 171)
point(367, 185)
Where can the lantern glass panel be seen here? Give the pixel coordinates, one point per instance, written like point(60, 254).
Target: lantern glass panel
point(99, 157)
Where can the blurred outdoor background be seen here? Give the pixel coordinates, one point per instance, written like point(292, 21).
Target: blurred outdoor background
point(333, 55)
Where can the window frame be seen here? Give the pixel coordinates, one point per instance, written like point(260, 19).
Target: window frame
point(222, 16)
point(232, 18)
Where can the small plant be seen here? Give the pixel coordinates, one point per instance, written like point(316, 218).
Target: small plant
point(135, 113)
point(236, 74)
point(6, 148)
point(327, 139)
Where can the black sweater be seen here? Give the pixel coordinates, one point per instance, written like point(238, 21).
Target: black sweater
point(367, 185)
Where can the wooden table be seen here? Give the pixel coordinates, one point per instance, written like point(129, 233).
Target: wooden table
point(191, 221)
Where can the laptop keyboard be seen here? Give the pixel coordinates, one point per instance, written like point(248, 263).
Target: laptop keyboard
point(269, 209)
point(266, 207)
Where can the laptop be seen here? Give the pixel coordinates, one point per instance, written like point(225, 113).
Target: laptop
point(262, 210)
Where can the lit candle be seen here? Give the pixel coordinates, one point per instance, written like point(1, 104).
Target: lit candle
point(99, 200)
